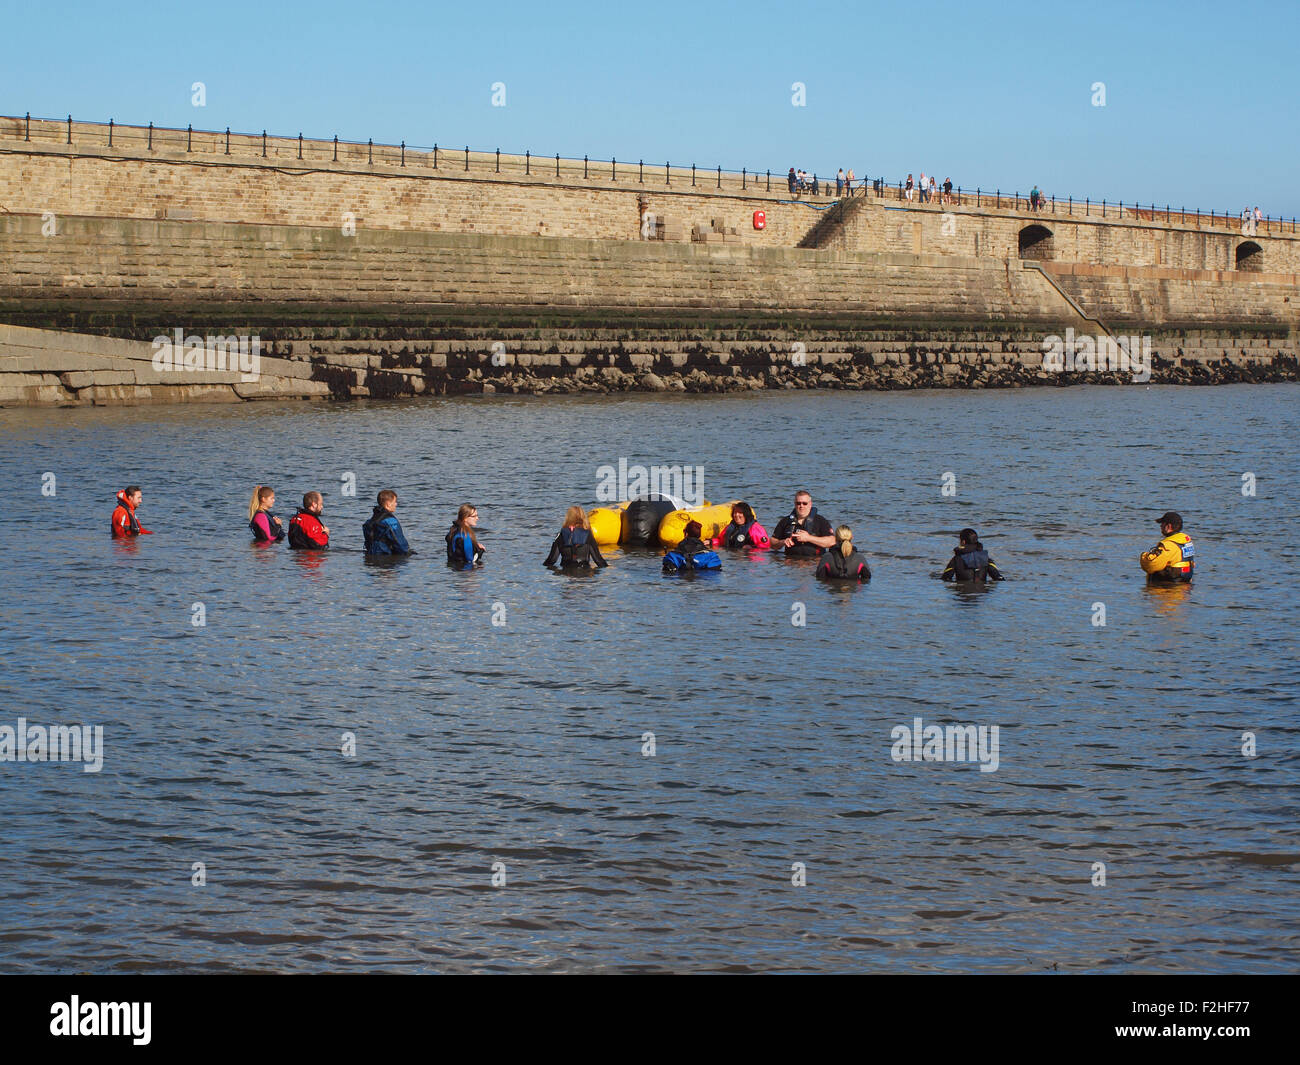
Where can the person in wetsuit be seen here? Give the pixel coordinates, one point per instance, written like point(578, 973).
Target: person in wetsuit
point(123, 523)
point(306, 531)
point(266, 527)
point(382, 530)
point(803, 532)
point(682, 557)
point(843, 562)
point(970, 562)
point(1173, 559)
point(575, 546)
point(463, 548)
point(743, 530)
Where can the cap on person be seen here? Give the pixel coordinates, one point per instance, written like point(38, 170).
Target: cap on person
point(1170, 517)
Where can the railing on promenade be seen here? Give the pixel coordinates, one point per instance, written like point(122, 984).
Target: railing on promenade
point(560, 168)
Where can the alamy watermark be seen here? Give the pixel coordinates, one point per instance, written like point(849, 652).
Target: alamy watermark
point(684, 483)
point(1087, 354)
point(57, 743)
point(946, 743)
point(208, 354)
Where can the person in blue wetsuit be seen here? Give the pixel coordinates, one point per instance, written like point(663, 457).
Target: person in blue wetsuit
point(383, 532)
point(692, 553)
point(575, 547)
point(970, 562)
point(463, 548)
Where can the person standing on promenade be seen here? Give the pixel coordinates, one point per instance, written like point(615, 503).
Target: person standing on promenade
point(123, 524)
point(849, 179)
point(947, 190)
point(907, 189)
point(1173, 559)
point(934, 188)
point(839, 183)
point(803, 532)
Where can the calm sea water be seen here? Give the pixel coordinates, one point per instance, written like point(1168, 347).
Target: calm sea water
point(522, 743)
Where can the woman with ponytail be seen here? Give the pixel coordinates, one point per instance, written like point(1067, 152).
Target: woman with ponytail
point(265, 525)
point(842, 562)
point(463, 548)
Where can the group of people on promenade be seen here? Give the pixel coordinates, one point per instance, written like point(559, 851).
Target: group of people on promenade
point(803, 533)
point(928, 190)
point(1250, 221)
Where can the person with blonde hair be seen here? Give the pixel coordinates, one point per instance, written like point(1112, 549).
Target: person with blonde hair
point(575, 546)
point(843, 562)
point(463, 548)
point(265, 525)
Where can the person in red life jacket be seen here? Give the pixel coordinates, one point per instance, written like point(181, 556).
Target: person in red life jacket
point(305, 528)
point(265, 525)
point(803, 532)
point(743, 530)
point(123, 523)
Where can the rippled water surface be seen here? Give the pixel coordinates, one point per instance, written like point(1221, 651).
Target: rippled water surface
point(522, 743)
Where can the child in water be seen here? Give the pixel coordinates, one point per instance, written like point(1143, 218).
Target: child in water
point(970, 562)
point(265, 525)
point(463, 548)
point(743, 530)
point(382, 530)
point(575, 546)
point(305, 528)
point(843, 562)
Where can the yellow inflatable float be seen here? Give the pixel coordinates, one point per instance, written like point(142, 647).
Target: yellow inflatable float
point(712, 518)
point(606, 524)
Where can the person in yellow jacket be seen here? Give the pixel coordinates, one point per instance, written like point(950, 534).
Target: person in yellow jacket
point(1174, 557)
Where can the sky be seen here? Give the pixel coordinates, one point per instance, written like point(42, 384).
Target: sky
point(1200, 100)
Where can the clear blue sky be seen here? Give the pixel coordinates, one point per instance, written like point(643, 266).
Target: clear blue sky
point(1201, 98)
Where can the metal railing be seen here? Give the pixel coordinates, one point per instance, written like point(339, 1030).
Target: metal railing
point(451, 161)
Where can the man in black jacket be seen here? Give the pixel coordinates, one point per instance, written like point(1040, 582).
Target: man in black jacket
point(803, 532)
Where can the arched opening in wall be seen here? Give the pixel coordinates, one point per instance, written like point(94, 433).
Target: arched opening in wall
point(1036, 242)
point(1250, 256)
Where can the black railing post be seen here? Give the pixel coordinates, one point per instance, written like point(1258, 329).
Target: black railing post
point(150, 136)
point(110, 133)
point(584, 168)
point(370, 150)
point(640, 171)
point(719, 175)
point(1087, 207)
point(528, 163)
point(28, 134)
point(692, 175)
point(69, 129)
point(299, 144)
point(498, 160)
point(403, 152)
point(557, 164)
point(667, 179)
point(977, 196)
point(189, 137)
point(435, 155)
point(613, 169)
point(742, 177)
point(263, 144)
point(1071, 206)
point(769, 181)
point(467, 157)
point(336, 141)
point(999, 198)
point(1103, 208)
point(336, 145)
